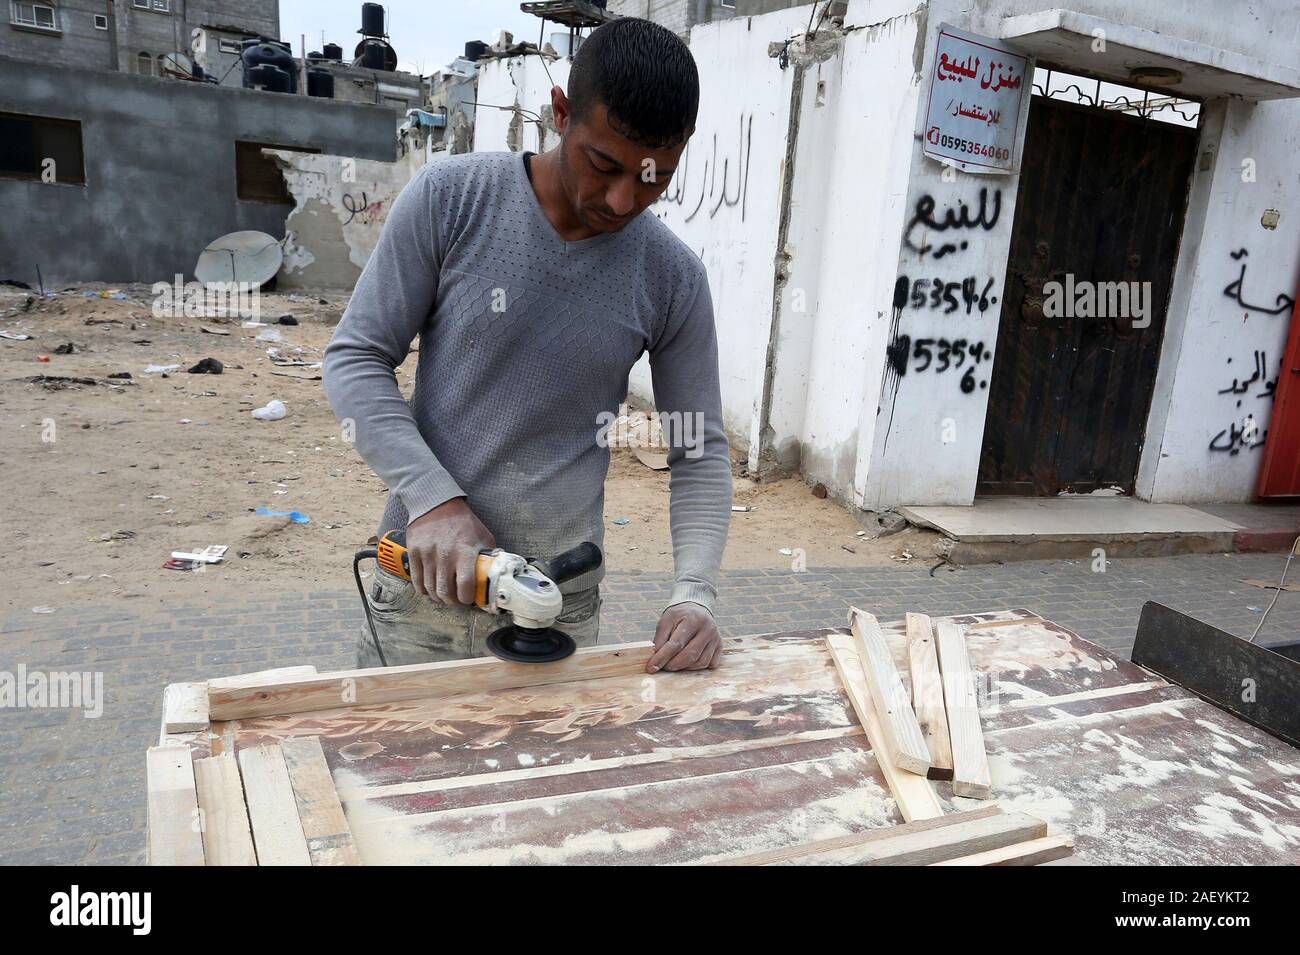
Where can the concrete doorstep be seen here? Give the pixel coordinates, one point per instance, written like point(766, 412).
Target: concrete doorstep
point(1022, 528)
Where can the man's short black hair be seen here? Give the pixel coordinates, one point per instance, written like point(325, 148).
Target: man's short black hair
point(644, 75)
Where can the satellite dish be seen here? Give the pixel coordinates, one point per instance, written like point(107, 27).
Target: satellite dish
point(383, 48)
point(175, 64)
point(247, 256)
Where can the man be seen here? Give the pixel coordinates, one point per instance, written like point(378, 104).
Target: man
point(534, 283)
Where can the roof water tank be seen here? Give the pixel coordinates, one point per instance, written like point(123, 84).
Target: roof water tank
point(320, 82)
point(372, 19)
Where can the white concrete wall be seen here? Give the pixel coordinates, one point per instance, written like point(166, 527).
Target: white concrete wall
point(1211, 339)
point(857, 146)
point(922, 437)
point(725, 198)
point(523, 82)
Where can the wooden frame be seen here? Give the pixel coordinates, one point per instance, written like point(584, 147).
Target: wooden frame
point(240, 698)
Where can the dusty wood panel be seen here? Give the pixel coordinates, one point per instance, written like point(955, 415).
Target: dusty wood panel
point(903, 743)
point(329, 839)
point(227, 839)
point(762, 754)
point(927, 694)
point(418, 681)
point(174, 837)
point(272, 808)
point(782, 689)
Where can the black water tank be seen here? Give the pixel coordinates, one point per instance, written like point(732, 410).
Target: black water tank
point(374, 54)
point(270, 53)
point(269, 77)
point(332, 51)
point(372, 19)
point(320, 82)
point(475, 49)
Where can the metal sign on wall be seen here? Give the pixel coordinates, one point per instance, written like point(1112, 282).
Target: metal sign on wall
point(978, 88)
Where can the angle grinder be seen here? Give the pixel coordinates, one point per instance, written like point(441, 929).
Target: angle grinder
point(526, 589)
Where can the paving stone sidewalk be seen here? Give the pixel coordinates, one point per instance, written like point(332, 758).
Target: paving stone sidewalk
point(71, 788)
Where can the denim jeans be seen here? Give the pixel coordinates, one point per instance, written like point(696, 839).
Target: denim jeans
point(416, 629)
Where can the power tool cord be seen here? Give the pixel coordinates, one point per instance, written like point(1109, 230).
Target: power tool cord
point(1278, 592)
point(367, 553)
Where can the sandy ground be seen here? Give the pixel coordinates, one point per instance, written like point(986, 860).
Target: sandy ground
point(104, 480)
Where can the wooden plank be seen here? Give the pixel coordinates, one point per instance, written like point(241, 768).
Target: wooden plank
point(1033, 852)
point(174, 837)
point(329, 838)
point(931, 841)
point(419, 681)
point(185, 708)
point(259, 677)
point(914, 794)
point(969, 759)
point(227, 839)
point(272, 808)
point(904, 743)
point(927, 694)
point(852, 839)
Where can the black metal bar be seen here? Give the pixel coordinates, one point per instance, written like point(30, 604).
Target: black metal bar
point(1249, 681)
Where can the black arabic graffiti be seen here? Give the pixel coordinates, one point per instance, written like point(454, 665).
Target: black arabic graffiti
point(708, 185)
point(1233, 291)
point(367, 210)
point(1232, 438)
point(958, 218)
point(1240, 387)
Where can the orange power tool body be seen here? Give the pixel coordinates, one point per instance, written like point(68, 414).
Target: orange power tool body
point(527, 590)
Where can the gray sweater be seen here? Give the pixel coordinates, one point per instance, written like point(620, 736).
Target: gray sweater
point(526, 342)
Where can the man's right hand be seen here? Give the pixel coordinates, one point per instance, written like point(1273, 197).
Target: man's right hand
point(444, 545)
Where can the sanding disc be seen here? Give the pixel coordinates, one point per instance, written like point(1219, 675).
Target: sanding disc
point(521, 645)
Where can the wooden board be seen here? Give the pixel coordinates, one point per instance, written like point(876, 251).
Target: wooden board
point(174, 837)
point(914, 794)
point(767, 752)
point(419, 681)
point(997, 830)
point(227, 839)
point(904, 745)
point(1033, 852)
point(970, 763)
point(272, 807)
point(329, 840)
point(856, 840)
point(185, 708)
point(927, 694)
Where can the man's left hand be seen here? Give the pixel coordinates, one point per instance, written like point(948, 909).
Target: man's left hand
point(686, 639)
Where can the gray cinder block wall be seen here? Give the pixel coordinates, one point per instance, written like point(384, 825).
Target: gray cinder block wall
point(160, 169)
point(677, 15)
point(129, 30)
